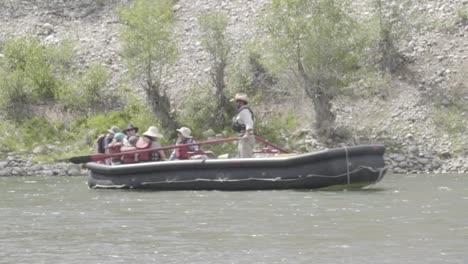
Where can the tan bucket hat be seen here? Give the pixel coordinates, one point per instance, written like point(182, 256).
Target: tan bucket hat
point(185, 131)
point(153, 132)
point(240, 97)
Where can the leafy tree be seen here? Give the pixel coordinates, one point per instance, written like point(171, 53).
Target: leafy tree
point(213, 28)
point(321, 43)
point(149, 48)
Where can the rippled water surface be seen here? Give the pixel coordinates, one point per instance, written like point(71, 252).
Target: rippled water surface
point(403, 219)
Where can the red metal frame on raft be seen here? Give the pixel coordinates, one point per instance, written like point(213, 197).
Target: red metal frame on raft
point(100, 157)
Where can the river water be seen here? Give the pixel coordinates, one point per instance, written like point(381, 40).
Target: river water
point(403, 219)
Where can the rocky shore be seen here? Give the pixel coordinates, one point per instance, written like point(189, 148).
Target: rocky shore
point(412, 162)
point(16, 165)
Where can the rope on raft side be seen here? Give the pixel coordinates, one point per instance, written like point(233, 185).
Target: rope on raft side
point(348, 174)
point(347, 165)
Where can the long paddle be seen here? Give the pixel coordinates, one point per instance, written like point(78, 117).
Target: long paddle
point(99, 157)
point(270, 144)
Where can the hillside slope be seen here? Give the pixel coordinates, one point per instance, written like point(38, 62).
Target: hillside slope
point(435, 57)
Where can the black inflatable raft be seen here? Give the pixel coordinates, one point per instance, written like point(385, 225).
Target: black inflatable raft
point(346, 167)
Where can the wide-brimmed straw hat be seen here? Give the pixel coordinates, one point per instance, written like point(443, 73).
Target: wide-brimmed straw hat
point(130, 127)
point(153, 132)
point(114, 130)
point(185, 131)
point(240, 97)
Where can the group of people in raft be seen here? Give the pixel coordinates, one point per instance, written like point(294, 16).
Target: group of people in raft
point(118, 141)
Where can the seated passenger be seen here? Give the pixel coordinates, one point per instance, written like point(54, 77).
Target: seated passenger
point(184, 137)
point(130, 158)
point(114, 147)
point(150, 141)
point(129, 132)
point(105, 139)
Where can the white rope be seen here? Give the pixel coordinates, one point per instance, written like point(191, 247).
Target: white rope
point(347, 165)
point(279, 179)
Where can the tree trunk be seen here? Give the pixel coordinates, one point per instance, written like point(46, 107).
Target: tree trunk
point(217, 77)
point(161, 107)
point(324, 117)
point(321, 98)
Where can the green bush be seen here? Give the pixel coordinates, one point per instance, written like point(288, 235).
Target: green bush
point(276, 127)
point(198, 111)
point(32, 73)
point(462, 16)
point(15, 95)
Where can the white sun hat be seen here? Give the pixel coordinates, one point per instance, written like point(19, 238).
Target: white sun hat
point(153, 132)
point(185, 131)
point(240, 97)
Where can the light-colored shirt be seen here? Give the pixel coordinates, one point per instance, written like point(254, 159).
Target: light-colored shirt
point(244, 117)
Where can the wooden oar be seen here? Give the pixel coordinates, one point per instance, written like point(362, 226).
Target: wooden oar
point(99, 157)
point(270, 144)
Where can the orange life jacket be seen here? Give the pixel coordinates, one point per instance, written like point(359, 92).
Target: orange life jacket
point(147, 155)
point(113, 148)
point(129, 158)
point(182, 153)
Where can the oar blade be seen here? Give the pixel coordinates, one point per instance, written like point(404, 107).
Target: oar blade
point(80, 159)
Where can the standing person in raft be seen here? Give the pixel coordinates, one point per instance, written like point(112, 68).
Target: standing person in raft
point(149, 140)
point(243, 123)
point(184, 137)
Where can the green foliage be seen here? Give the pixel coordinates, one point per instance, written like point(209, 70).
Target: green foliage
point(37, 63)
point(396, 23)
point(321, 43)
point(33, 132)
point(198, 112)
point(462, 16)
point(100, 123)
point(450, 120)
point(213, 28)
point(139, 113)
point(61, 56)
point(147, 37)
point(149, 46)
point(277, 126)
point(452, 23)
point(31, 74)
point(371, 85)
point(451, 124)
point(15, 95)
point(86, 93)
point(241, 78)
point(7, 137)
point(450, 109)
point(37, 130)
point(319, 34)
point(93, 82)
